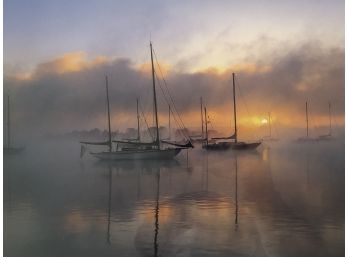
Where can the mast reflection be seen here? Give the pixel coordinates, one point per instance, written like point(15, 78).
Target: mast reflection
point(109, 205)
point(207, 172)
point(236, 192)
point(155, 242)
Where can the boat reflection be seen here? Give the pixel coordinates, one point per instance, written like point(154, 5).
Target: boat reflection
point(175, 210)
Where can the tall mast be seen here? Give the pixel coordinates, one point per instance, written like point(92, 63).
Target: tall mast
point(330, 117)
point(307, 117)
point(169, 121)
point(206, 125)
point(138, 119)
point(107, 99)
point(202, 117)
point(269, 124)
point(155, 99)
point(8, 122)
point(234, 107)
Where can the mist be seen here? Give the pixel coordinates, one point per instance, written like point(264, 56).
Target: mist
point(68, 93)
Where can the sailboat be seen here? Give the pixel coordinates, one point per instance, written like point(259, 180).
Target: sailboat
point(306, 138)
point(131, 143)
point(223, 143)
point(199, 138)
point(213, 145)
point(9, 149)
point(143, 150)
point(269, 137)
point(329, 135)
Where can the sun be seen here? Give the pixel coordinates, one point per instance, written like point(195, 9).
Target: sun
point(264, 121)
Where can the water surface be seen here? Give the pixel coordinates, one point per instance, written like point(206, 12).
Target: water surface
point(281, 200)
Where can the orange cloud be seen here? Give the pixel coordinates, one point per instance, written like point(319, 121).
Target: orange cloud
point(146, 68)
point(70, 62)
point(249, 68)
point(67, 63)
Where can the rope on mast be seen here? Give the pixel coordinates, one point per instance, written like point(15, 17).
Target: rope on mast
point(147, 125)
point(244, 102)
point(182, 129)
point(181, 123)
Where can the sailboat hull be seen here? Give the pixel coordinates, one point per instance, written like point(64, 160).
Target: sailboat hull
point(218, 146)
point(305, 140)
point(169, 153)
point(270, 139)
point(244, 145)
point(232, 145)
point(324, 138)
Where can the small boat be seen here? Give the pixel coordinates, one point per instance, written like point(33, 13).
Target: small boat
point(9, 149)
point(269, 138)
point(328, 136)
point(306, 138)
point(225, 143)
point(136, 150)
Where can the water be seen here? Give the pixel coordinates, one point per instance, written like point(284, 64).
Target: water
point(282, 200)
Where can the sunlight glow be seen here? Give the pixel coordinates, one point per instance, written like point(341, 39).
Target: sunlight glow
point(264, 121)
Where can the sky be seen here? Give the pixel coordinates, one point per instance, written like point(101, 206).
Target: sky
point(285, 53)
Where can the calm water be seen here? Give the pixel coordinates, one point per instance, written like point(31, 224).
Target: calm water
point(277, 201)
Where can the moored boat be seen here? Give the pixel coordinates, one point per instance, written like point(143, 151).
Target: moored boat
point(328, 136)
point(159, 154)
point(134, 149)
point(269, 137)
point(307, 138)
point(225, 143)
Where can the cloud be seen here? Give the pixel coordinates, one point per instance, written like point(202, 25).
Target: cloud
point(69, 62)
point(69, 92)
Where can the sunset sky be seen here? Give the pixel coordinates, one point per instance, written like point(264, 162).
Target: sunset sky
point(285, 53)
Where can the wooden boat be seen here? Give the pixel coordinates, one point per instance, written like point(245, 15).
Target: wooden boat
point(269, 138)
point(138, 150)
point(328, 136)
point(199, 138)
point(9, 149)
point(306, 138)
point(138, 154)
point(225, 143)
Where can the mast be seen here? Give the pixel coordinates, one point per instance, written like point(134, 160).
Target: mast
point(206, 125)
point(202, 116)
point(330, 117)
point(169, 121)
point(8, 123)
point(155, 99)
point(269, 124)
point(138, 119)
point(107, 99)
point(307, 117)
point(234, 107)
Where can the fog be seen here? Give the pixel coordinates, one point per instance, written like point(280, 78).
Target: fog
point(68, 93)
point(51, 196)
